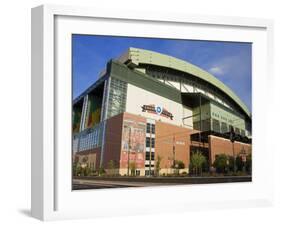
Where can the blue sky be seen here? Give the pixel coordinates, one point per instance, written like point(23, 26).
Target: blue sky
point(230, 62)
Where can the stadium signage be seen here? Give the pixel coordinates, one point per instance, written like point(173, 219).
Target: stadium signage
point(154, 109)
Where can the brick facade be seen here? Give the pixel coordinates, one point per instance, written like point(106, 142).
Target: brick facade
point(166, 136)
point(224, 146)
point(113, 141)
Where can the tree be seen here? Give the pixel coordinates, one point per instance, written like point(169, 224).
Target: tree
point(158, 161)
point(239, 163)
point(111, 166)
point(197, 161)
point(75, 166)
point(249, 163)
point(133, 168)
point(179, 164)
point(85, 159)
point(221, 163)
point(101, 171)
point(77, 169)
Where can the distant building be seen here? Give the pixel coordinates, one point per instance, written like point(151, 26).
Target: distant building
point(147, 105)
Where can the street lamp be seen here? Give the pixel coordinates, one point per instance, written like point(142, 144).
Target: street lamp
point(232, 139)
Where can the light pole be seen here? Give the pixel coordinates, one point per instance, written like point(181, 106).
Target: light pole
point(232, 139)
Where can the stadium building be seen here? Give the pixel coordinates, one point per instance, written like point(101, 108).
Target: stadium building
point(148, 110)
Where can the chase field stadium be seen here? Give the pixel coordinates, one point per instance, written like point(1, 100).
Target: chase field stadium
point(147, 106)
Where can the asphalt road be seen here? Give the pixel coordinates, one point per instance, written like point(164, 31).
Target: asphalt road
point(99, 183)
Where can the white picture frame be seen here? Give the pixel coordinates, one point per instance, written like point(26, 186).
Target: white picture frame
point(52, 197)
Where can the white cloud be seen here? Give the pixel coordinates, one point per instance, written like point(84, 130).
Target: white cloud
point(216, 70)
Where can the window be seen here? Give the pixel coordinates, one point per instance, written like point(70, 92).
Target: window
point(152, 142)
point(147, 155)
point(237, 130)
point(147, 142)
point(148, 125)
point(147, 165)
point(224, 127)
point(152, 155)
point(152, 128)
point(216, 125)
point(117, 97)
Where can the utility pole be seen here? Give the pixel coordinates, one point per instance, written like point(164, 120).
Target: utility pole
point(128, 161)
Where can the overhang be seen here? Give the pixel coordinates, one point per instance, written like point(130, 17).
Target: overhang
point(138, 56)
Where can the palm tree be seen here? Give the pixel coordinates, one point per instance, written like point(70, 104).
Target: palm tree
point(197, 160)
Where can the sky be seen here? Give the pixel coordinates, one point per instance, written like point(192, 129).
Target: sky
point(230, 62)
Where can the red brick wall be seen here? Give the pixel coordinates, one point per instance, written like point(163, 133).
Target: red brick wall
point(224, 146)
point(113, 137)
point(164, 144)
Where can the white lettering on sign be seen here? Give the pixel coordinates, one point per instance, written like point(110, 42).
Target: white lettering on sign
point(180, 142)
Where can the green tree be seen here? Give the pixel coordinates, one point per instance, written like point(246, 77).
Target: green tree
point(158, 162)
point(77, 170)
point(85, 159)
point(75, 166)
point(111, 167)
point(249, 163)
point(239, 163)
point(197, 161)
point(133, 168)
point(221, 163)
point(101, 171)
point(179, 164)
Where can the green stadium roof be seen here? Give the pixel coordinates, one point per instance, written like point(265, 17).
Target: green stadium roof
point(142, 56)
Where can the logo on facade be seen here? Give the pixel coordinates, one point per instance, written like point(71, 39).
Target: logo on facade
point(155, 109)
point(158, 110)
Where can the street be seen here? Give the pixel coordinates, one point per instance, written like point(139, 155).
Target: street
point(80, 183)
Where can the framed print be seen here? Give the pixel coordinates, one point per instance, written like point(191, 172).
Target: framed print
point(136, 113)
